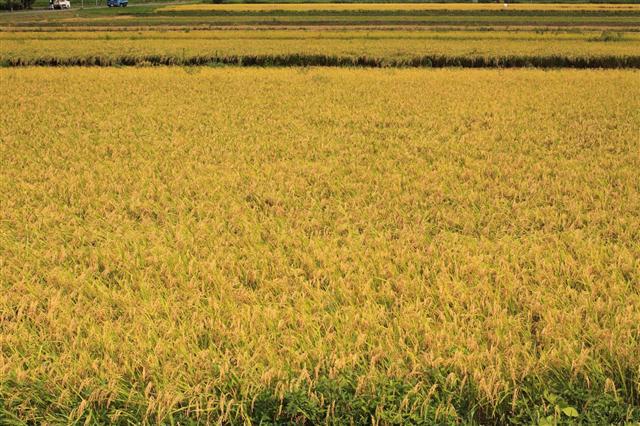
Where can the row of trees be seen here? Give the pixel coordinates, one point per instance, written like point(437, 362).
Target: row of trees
point(16, 4)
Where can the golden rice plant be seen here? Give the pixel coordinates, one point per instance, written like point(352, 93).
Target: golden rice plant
point(319, 245)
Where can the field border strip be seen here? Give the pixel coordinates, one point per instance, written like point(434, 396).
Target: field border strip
point(303, 60)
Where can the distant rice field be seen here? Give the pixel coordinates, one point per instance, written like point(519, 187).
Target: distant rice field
point(326, 47)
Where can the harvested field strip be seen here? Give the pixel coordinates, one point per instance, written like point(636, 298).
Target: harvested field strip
point(302, 60)
point(495, 36)
point(128, 27)
point(413, 7)
point(372, 13)
point(188, 24)
point(488, 20)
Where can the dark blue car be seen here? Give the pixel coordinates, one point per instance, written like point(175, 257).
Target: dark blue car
point(117, 3)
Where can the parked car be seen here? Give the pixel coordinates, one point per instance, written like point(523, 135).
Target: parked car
point(59, 4)
point(117, 3)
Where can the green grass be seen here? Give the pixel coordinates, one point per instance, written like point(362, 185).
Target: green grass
point(558, 399)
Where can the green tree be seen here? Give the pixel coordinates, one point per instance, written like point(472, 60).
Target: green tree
point(17, 4)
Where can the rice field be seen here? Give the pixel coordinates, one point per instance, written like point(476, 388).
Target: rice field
point(374, 43)
point(319, 245)
point(320, 214)
point(326, 47)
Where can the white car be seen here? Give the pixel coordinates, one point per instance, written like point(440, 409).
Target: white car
point(60, 4)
